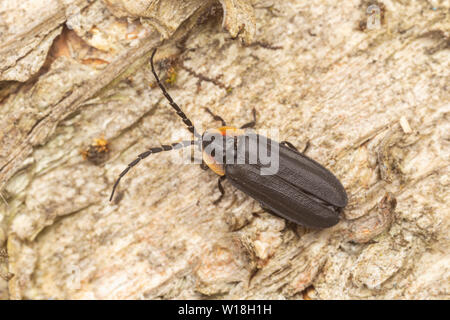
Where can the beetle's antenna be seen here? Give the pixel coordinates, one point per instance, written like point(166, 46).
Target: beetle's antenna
point(178, 110)
point(173, 146)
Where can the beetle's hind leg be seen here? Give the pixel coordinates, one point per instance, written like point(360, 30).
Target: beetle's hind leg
point(216, 117)
point(306, 147)
point(290, 145)
point(221, 189)
point(251, 124)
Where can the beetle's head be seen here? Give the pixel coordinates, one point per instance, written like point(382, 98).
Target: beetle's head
point(215, 142)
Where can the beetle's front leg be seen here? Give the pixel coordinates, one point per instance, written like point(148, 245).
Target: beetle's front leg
point(216, 117)
point(221, 189)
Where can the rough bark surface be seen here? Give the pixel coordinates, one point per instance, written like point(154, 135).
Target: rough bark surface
point(78, 103)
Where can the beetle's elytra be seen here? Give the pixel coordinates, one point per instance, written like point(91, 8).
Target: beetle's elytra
point(300, 189)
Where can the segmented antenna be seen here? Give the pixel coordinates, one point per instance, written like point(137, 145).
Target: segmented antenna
point(173, 146)
point(178, 110)
point(164, 147)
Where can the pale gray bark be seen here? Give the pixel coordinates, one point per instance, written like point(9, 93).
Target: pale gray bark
point(372, 102)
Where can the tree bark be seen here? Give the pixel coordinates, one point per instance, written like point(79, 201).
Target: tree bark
point(363, 83)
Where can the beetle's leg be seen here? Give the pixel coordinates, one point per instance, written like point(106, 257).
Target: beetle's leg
point(173, 146)
point(251, 124)
point(306, 147)
point(216, 117)
point(290, 145)
point(221, 189)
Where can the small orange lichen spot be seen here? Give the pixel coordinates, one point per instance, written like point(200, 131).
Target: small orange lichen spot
point(97, 152)
point(101, 144)
point(171, 76)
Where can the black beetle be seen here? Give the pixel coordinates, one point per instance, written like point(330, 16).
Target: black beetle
point(299, 189)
